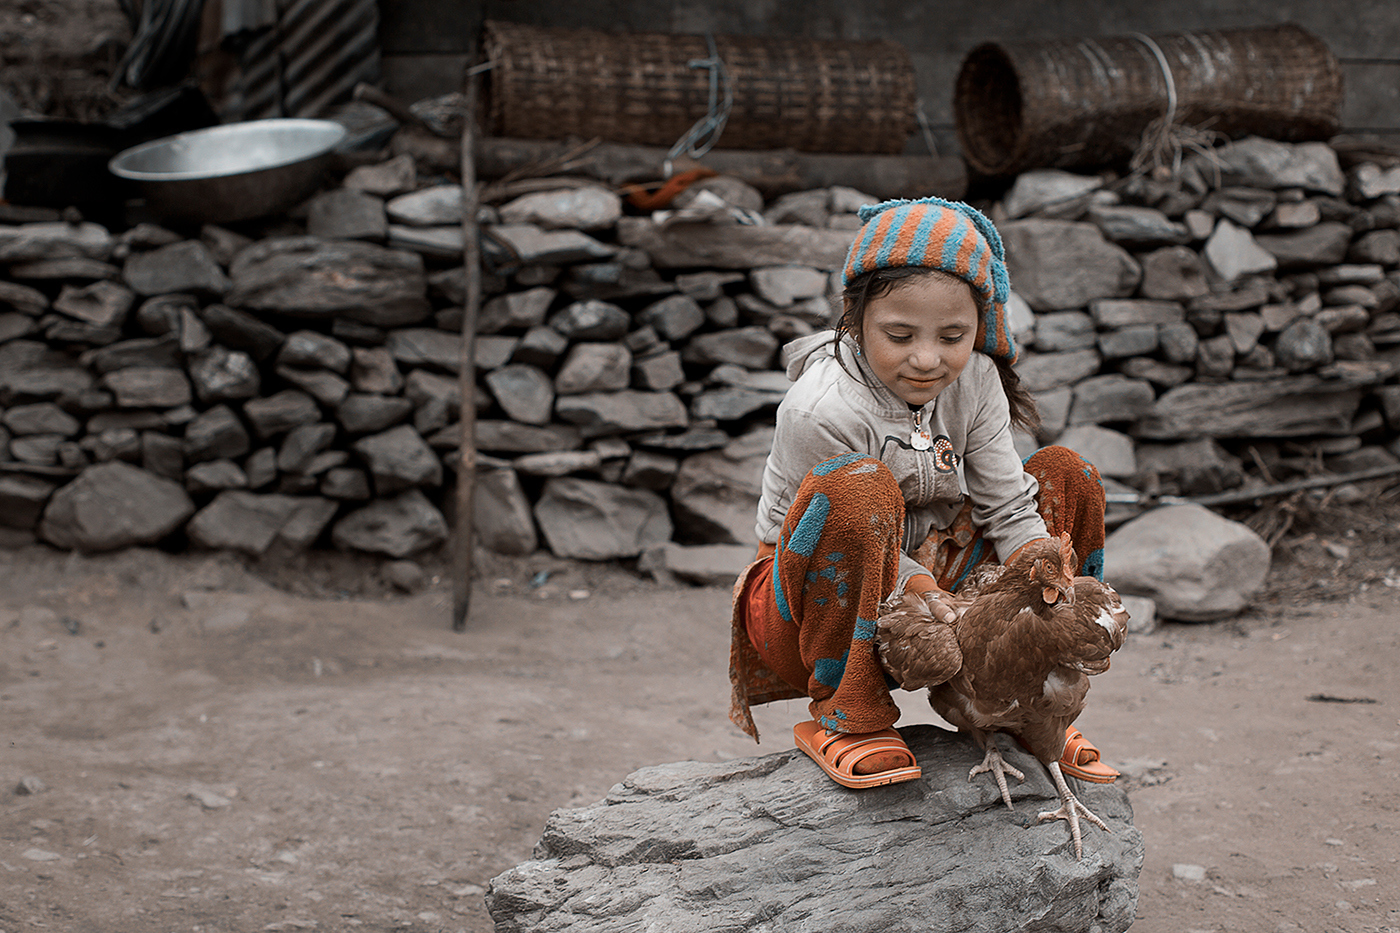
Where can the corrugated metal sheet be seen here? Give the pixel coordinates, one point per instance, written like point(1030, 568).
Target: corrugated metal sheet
point(310, 60)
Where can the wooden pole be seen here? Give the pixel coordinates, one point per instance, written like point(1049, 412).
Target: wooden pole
point(1312, 482)
point(466, 457)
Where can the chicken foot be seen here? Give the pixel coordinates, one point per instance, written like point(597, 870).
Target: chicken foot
point(993, 762)
point(1070, 810)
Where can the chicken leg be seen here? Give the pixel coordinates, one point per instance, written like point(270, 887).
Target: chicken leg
point(993, 762)
point(1070, 810)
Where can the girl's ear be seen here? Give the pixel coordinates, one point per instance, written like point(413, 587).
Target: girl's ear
point(856, 337)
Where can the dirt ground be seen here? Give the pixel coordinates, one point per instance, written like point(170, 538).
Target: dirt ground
point(196, 744)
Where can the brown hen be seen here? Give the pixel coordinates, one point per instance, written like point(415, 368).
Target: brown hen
point(1028, 637)
point(915, 648)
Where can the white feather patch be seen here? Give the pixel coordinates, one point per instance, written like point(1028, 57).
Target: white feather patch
point(1106, 620)
point(1054, 683)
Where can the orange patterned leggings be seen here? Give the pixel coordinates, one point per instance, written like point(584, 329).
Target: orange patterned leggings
point(804, 621)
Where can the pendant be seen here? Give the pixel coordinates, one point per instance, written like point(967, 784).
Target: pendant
point(920, 441)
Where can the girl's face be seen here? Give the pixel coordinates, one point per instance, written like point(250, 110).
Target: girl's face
point(918, 337)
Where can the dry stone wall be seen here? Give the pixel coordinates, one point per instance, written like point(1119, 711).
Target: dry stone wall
point(295, 384)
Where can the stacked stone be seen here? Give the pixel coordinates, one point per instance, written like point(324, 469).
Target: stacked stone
point(245, 393)
point(297, 385)
point(635, 359)
point(1250, 300)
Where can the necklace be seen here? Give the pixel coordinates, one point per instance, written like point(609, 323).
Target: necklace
point(918, 438)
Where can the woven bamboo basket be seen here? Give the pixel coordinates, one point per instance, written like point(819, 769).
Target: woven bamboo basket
point(1086, 102)
point(806, 94)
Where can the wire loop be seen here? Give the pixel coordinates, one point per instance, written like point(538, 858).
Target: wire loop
point(702, 137)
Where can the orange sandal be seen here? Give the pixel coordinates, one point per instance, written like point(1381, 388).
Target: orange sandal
point(1081, 759)
point(838, 752)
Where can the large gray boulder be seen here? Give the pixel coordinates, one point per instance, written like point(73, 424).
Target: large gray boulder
point(1296, 406)
point(588, 520)
point(35, 242)
point(1268, 163)
point(251, 523)
point(1058, 264)
point(587, 208)
point(1196, 565)
point(311, 278)
point(772, 844)
point(501, 515)
point(114, 505)
point(398, 527)
point(186, 266)
point(399, 459)
point(715, 494)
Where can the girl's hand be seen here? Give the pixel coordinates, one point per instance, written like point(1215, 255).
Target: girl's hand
point(939, 600)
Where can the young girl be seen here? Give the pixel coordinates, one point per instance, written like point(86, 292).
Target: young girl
point(893, 469)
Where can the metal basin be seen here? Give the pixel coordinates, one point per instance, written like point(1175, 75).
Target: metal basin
point(234, 172)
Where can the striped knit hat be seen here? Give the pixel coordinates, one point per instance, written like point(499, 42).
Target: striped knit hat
point(937, 234)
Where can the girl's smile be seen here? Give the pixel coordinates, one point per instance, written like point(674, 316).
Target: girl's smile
point(918, 337)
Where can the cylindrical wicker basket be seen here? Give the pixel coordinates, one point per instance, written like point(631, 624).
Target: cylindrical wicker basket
point(1077, 103)
point(807, 94)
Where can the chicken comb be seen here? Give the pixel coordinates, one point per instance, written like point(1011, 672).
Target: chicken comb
point(1067, 553)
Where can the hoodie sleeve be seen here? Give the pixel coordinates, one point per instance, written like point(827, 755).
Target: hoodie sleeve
point(1002, 492)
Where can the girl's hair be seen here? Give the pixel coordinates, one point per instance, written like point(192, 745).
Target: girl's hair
point(877, 283)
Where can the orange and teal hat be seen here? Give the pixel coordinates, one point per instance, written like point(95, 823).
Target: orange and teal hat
point(947, 235)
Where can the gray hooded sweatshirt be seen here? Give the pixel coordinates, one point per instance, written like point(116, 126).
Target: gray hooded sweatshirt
point(828, 412)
